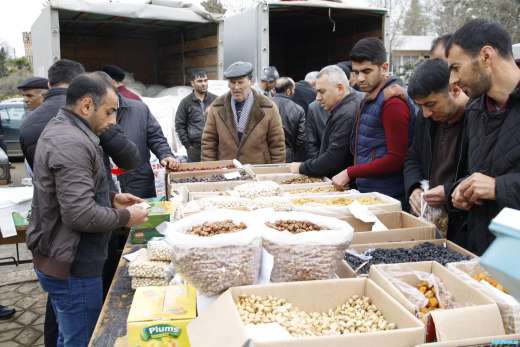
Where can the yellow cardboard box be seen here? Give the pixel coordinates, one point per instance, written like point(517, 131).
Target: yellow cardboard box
point(159, 316)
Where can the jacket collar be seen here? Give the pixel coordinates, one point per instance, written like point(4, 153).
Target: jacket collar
point(197, 100)
point(385, 83)
point(54, 92)
point(81, 123)
point(351, 96)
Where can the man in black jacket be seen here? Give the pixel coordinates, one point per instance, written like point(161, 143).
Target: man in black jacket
point(481, 63)
point(435, 150)
point(334, 95)
point(293, 119)
point(315, 123)
point(304, 92)
point(191, 114)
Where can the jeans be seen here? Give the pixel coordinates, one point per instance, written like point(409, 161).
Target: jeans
point(76, 302)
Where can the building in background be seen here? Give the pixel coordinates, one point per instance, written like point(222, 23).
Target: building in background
point(27, 45)
point(407, 51)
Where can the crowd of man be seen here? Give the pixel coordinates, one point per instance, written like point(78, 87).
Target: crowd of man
point(445, 141)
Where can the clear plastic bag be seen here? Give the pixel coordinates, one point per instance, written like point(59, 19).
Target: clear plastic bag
point(311, 255)
point(438, 216)
point(407, 282)
point(142, 266)
point(213, 264)
point(509, 307)
point(159, 249)
point(148, 281)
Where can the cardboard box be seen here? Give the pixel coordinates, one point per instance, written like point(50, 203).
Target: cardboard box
point(270, 168)
point(160, 211)
point(143, 236)
point(344, 270)
point(402, 227)
point(160, 315)
point(499, 340)
point(220, 325)
point(186, 190)
point(477, 316)
point(206, 166)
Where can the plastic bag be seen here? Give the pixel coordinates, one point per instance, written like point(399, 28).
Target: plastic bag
point(215, 263)
point(137, 282)
point(309, 255)
point(509, 307)
point(159, 249)
point(435, 215)
point(142, 266)
point(407, 281)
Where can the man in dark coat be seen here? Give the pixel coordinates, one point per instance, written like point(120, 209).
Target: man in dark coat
point(334, 95)
point(293, 120)
point(481, 63)
point(436, 147)
point(315, 123)
point(141, 127)
point(304, 92)
point(118, 75)
point(191, 114)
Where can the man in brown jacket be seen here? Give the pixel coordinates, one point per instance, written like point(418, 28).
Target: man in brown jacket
point(73, 211)
point(243, 124)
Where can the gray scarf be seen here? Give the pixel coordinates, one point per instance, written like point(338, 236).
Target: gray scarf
point(244, 115)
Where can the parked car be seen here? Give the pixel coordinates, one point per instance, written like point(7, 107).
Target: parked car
point(12, 112)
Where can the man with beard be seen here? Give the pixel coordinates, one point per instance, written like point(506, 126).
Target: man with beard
point(481, 63)
point(191, 114)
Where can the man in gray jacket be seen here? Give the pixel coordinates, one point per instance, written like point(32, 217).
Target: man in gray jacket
point(73, 211)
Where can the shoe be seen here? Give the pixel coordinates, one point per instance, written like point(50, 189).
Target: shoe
point(6, 312)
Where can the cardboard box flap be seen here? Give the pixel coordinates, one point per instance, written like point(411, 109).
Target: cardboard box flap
point(211, 327)
point(467, 322)
point(171, 303)
point(477, 341)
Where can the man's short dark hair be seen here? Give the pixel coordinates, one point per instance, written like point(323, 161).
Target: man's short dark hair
point(64, 71)
point(430, 76)
point(283, 84)
point(347, 69)
point(369, 49)
point(441, 40)
point(197, 73)
point(93, 84)
point(475, 34)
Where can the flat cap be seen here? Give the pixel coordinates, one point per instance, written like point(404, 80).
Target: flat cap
point(115, 72)
point(238, 69)
point(34, 83)
point(269, 74)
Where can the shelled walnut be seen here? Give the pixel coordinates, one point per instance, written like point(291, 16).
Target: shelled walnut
point(216, 228)
point(293, 226)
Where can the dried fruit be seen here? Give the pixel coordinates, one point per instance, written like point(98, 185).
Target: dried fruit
point(302, 179)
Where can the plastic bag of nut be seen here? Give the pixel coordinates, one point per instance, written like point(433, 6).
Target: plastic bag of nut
point(142, 266)
point(216, 250)
point(148, 281)
point(304, 246)
point(218, 202)
point(159, 249)
point(256, 189)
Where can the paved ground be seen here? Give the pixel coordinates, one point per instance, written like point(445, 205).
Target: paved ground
point(20, 290)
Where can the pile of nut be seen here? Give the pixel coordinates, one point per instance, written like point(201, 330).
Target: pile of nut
point(212, 178)
point(214, 270)
point(303, 262)
point(426, 251)
point(429, 293)
point(277, 203)
point(324, 189)
point(227, 202)
point(205, 168)
point(301, 179)
point(216, 228)
point(137, 282)
point(147, 272)
point(293, 226)
point(481, 276)
point(356, 315)
point(337, 201)
point(256, 189)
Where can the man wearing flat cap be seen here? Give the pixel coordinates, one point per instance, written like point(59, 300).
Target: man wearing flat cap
point(33, 90)
point(243, 124)
point(118, 75)
point(267, 82)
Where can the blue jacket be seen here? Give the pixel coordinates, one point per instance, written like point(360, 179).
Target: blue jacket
point(370, 144)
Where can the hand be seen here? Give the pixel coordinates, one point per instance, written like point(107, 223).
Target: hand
point(138, 215)
point(415, 201)
point(436, 196)
point(125, 200)
point(478, 187)
point(459, 201)
point(341, 180)
point(170, 163)
point(295, 167)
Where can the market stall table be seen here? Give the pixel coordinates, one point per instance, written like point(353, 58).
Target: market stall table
point(111, 323)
